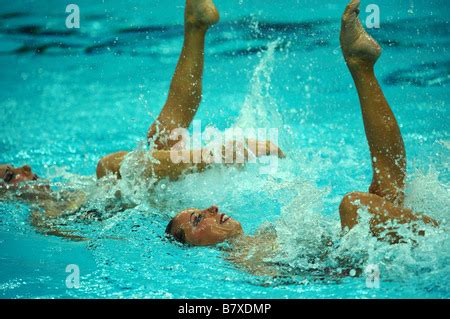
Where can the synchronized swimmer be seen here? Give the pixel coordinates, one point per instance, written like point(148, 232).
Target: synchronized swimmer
point(203, 227)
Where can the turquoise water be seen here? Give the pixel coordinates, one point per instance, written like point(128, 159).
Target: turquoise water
point(68, 98)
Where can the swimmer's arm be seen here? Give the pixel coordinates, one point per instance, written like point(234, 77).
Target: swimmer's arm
point(43, 226)
point(47, 211)
point(34, 193)
point(43, 214)
point(163, 166)
point(62, 202)
point(59, 204)
point(173, 164)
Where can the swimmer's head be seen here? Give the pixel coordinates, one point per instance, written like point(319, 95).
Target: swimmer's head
point(11, 175)
point(203, 227)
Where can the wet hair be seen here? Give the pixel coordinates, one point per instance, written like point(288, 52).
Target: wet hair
point(178, 235)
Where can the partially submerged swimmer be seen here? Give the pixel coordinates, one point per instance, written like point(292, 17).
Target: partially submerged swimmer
point(183, 101)
point(384, 201)
point(10, 174)
point(21, 183)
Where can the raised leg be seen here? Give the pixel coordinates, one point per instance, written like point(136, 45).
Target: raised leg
point(386, 193)
point(383, 134)
point(185, 91)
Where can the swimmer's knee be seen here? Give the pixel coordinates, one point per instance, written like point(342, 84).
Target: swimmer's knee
point(348, 209)
point(101, 168)
point(110, 164)
point(350, 199)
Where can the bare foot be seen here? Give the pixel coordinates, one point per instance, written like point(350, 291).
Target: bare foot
point(201, 13)
point(358, 46)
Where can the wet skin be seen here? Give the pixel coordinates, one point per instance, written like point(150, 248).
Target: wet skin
point(11, 175)
point(206, 227)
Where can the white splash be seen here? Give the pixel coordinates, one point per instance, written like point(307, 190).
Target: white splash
point(260, 108)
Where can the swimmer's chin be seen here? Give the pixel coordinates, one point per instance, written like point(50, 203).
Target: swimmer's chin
point(233, 229)
point(230, 231)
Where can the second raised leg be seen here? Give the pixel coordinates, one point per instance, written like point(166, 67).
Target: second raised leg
point(385, 197)
point(382, 131)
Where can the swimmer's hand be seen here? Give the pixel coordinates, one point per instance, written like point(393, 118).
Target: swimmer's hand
point(265, 148)
point(176, 162)
point(252, 148)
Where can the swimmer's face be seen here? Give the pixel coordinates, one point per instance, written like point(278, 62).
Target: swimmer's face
point(11, 175)
point(204, 227)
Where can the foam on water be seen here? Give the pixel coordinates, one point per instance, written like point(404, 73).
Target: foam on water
point(304, 214)
point(309, 239)
point(305, 235)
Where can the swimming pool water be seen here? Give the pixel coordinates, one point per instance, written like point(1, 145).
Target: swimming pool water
point(70, 97)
